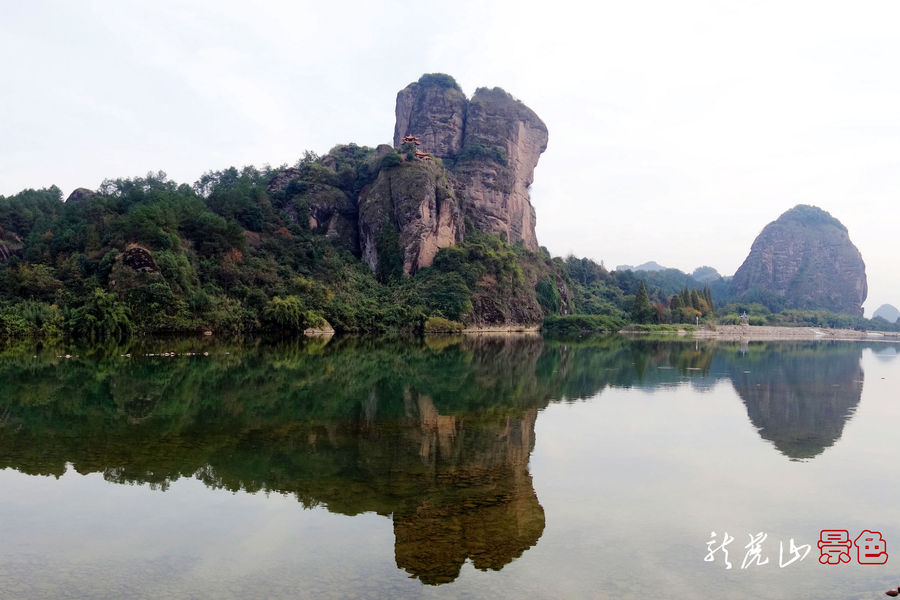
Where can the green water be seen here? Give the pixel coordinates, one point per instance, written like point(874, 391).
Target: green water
point(460, 467)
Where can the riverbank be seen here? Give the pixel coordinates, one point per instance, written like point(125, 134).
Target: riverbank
point(767, 333)
point(512, 328)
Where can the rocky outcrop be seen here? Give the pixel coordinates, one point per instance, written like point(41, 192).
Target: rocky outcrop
point(502, 143)
point(139, 259)
point(434, 110)
point(406, 215)
point(10, 245)
point(493, 142)
point(395, 208)
point(324, 208)
point(80, 195)
point(807, 258)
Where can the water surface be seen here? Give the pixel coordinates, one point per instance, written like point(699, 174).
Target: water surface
point(460, 467)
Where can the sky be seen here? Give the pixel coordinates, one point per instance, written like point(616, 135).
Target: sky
point(678, 130)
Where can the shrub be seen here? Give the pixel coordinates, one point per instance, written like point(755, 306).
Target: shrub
point(101, 317)
point(441, 325)
point(440, 80)
point(476, 150)
point(548, 295)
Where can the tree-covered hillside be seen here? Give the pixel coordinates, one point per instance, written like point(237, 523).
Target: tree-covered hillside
point(242, 250)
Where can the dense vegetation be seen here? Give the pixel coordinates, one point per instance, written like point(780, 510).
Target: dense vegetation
point(237, 252)
point(242, 251)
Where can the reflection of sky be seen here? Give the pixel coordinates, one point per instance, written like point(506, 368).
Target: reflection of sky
point(648, 480)
point(631, 483)
point(887, 353)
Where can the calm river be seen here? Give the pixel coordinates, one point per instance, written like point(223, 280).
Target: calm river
point(483, 467)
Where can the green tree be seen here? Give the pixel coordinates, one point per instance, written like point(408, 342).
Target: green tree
point(101, 317)
point(641, 310)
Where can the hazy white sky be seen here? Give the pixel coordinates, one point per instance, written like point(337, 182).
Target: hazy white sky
point(677, 129)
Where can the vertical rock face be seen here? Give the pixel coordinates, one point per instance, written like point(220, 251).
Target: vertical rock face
point(405, 216)
point(806, 257)
point(494, 188)
point(434, 110)
point(494, 142)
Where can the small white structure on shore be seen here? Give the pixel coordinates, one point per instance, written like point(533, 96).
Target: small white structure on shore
point(745, 319)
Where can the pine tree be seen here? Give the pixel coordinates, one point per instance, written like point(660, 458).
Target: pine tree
point(642, 311)
point(707, 294)
point(675, 303)
point(695, 301)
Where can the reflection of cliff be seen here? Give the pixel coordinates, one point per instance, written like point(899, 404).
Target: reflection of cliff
point(479, 501)
point(801, 397)
point(359, 430)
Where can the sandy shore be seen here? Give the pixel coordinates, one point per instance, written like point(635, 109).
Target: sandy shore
point(764, 333)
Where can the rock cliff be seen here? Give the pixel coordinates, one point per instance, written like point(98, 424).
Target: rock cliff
point(492, 143)
point(806, 257)
point(406, 215)
point(434, 110)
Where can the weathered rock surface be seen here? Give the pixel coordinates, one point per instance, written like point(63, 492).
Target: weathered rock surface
point(495, 194)
point(325, 208)
point(806, 256)
point(80, 195)
point(494, 142)
point(10, 245)
point(434, 110)
point(406, 215)
point(282, 180)
point(139, 259)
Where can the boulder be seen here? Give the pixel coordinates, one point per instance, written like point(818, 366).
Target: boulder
point(139, 259)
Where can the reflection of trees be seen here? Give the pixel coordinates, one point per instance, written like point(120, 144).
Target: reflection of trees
point(436, 433)
point(439, 439)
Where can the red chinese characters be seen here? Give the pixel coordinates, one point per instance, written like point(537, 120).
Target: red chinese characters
point(834, 546)
point(871, 548)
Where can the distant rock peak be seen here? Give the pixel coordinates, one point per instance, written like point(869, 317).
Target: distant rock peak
point(888, 312)
point(806, 257)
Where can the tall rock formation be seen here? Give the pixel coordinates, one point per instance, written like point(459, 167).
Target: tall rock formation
point(493, 143)
point(806, 257)
point(434, 110)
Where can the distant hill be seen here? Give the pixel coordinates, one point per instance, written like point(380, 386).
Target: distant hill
point(706, 274)
point(647, 266)
point(888, 312)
